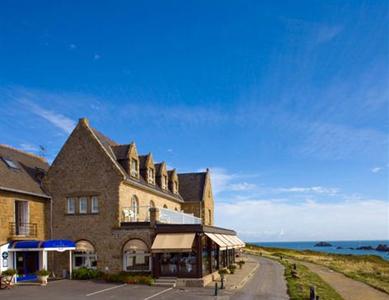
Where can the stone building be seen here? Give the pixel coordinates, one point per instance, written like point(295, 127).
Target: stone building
point(117, 210)
point(24, 206)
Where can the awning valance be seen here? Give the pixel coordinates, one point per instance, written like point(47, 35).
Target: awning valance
point(220, 242)
point(50, 245)
point(173, 242)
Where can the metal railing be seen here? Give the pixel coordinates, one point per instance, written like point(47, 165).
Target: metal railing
point(23, 229)
point(135, 214)
point(169, 216)
point(166, 216)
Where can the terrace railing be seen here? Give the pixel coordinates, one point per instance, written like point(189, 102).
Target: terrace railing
point(164, 215)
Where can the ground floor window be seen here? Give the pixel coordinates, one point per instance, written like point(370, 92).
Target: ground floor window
point(136, 256)
point(178, 263)
point(84, 255)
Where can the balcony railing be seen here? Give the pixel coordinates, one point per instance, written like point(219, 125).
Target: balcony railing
point(169, 216)
point(23, 230)
point(135, 214)
point(163, 215)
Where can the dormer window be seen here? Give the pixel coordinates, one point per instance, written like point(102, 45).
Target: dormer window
point(134, 168)
point(151, 176)
point(10, 163)
point(164, 182)
point(175, 187)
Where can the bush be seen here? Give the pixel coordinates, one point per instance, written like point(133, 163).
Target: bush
point(9, 272)
point(232, 268)
point(241, 263)
point(85, 274)
point(42, 272)
point(130, 278)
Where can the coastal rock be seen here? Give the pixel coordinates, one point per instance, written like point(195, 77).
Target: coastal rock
point(365, 248)
point(323, 244)
point(382, 247)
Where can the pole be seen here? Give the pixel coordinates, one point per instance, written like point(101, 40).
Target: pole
point(70, 264)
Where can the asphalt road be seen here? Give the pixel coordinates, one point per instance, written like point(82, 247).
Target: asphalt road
point(267, 283)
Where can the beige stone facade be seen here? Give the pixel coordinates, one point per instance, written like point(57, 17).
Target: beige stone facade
point(37, 211)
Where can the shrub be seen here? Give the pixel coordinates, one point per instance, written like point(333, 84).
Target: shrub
point(241, 263)
point(9, 272)
point(42, 272)
point(232, 268)
point(85, 274)
point(130, 278)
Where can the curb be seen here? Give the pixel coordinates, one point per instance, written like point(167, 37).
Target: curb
point(244, 280)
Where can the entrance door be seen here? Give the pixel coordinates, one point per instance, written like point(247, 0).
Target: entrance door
point(27, 263)
point(22, 218)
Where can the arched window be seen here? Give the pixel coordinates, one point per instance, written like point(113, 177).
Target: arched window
point(134, 209)
point(84, 255)
point(136, 256)
point(164, 206)
point(175, 209)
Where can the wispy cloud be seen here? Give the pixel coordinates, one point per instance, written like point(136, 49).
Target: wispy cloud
point(29, 148)
point(376, 169)
point(279, 220)
point(64, 123)
point(326, 33)
point(224, 181)
point(313, 189)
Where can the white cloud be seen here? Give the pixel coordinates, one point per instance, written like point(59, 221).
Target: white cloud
point(376, 169)
point(312, 189)
point(281, 220)
point(29, 148)
point(223, 181)
point(54, 118)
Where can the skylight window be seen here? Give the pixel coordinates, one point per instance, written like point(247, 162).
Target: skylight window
point(10, 163)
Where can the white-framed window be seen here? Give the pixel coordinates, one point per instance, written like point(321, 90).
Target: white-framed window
point(71, 206)
point(134, 209)
point(83, 208)
point(164, 182)
point(151, 175)
point(136, 256)
point(84, 255)
point(134, 167)
point(95, 205)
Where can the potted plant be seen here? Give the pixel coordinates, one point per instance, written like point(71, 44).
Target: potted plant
point(222, 273)
point(42, 276)
point(9, 276)
point(241, 263)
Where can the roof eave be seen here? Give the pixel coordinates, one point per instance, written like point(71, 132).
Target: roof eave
point(24, 192)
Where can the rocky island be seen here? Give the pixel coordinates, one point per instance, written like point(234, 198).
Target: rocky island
point(323, 244)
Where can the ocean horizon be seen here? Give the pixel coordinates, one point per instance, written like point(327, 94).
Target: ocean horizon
point(337, 247)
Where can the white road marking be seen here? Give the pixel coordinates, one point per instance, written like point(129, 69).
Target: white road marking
point(159, 293)
point(105, 290)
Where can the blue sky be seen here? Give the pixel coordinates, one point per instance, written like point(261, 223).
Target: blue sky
point(286, 102)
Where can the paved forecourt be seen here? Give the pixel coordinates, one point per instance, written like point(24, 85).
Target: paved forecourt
point(77, 289)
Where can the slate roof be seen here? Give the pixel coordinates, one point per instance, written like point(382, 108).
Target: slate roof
point(118, 152)
point(27, 177)
point(192, 185)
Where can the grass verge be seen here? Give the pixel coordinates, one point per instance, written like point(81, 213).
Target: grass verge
point(370, 269)
point(299, 287)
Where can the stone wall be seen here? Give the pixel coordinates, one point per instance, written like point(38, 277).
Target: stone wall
point(38, 208)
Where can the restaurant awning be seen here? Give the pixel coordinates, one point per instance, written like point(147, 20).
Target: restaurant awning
point(232, 242)
point(241, 243)
point(173, 242)
point(220, 242)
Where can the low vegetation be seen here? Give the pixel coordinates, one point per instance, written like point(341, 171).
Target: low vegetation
point(300, 280)
point(122, 277)
point(370, 269)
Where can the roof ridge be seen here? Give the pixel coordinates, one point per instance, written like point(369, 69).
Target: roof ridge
point(24, 152)
point(191, 173)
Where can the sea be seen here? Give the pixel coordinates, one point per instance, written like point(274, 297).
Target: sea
point(345, 247)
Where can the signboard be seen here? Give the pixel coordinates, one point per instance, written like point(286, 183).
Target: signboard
point(4, 255)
